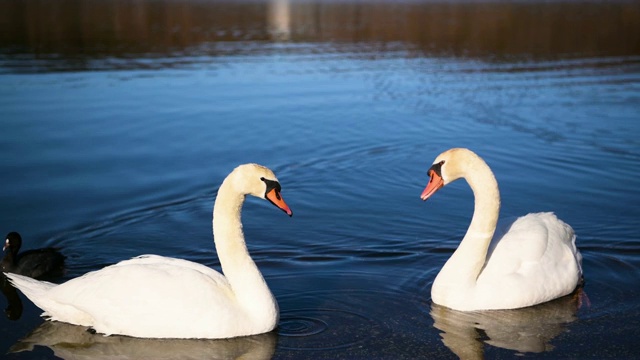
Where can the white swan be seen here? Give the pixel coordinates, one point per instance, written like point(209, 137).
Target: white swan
point(159, 297)
point(535, 261)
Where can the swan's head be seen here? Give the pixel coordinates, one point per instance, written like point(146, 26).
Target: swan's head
point(13, 242)
point(448, 167)
point(261, 182)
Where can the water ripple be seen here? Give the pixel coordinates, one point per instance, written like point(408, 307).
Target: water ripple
point(331, 310)
point(338, 321)
point(301, 326)
point(307, 329)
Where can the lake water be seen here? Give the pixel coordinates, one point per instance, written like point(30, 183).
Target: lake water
point(121, 118)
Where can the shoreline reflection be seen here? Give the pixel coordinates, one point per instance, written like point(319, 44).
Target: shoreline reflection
point(80, 32)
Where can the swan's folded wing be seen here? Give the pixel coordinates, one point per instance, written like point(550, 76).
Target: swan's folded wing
point(536, 256)
point(179, 263)
point(143, 295)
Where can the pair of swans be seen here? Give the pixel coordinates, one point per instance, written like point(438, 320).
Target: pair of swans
point(159, 297)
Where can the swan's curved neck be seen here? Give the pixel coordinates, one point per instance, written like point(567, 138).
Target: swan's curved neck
point(240, 270)
point(466, 263)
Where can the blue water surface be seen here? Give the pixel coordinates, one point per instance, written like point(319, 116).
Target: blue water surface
point(120, 155)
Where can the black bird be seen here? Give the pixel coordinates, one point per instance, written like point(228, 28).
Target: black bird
point(37, 263)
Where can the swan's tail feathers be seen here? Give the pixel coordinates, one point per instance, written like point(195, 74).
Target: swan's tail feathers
point(35, 290)
point(578, 256)
point(571, 242)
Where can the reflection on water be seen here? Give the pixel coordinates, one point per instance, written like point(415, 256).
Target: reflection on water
point(348, 101)
point(280, 19)
point(13, 311)
point(524, 330)
point(75, 342)
point(72, 35)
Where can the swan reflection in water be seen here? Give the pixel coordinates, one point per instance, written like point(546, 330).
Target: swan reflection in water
point(524, 330)
point(75, 342)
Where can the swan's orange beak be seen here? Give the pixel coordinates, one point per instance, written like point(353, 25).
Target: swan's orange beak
point(435, 184)
point(277, 200)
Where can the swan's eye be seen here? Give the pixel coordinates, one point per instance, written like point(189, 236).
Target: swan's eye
point(437, 168)
point(272, 184)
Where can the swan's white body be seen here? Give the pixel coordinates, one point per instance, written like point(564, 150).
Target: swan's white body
point(535, 261)
point(159, 297)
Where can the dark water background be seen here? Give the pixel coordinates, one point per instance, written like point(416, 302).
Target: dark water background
point(119, 119)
